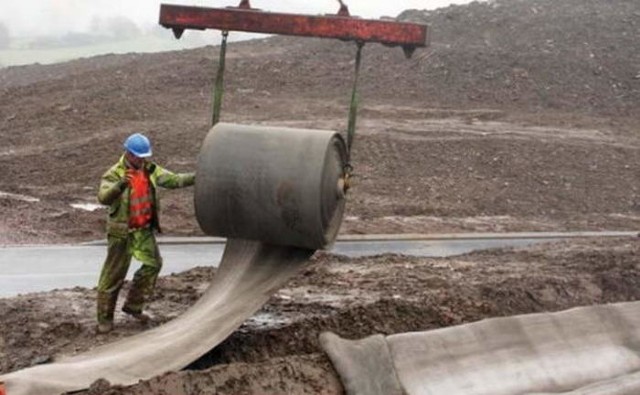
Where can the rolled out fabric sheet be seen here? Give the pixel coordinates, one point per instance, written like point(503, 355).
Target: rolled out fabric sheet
point(583, 351)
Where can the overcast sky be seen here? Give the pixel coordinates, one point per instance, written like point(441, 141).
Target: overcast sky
point(43, 17)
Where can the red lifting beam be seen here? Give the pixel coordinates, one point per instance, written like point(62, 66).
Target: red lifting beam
point(407, 35)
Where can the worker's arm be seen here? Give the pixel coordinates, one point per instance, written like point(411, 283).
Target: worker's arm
point(111, 187)
point(170, 180)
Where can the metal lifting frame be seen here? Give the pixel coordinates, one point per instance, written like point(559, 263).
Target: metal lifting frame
point(340, 26)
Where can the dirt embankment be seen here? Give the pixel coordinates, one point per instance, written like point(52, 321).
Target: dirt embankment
point(578, 56)
point(523, 112)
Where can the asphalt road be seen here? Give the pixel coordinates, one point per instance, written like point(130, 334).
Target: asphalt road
point(25, 269)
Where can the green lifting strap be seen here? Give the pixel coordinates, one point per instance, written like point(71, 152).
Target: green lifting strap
point(218, 90)
point(353, 108)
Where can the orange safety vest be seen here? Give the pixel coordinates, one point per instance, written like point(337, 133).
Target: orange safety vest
point(140, 201)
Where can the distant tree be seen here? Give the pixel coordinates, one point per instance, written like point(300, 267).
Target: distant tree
point(122, 27)
point(73, 39)
point(117, 27)
point(5, 38)
point(97, 25)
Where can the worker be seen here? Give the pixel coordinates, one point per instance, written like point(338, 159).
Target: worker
point(129, 189)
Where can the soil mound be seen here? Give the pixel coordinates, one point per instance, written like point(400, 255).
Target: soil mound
point(575, 55)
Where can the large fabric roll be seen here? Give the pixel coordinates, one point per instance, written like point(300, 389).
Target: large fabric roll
point(276, 185)
point(275, 193)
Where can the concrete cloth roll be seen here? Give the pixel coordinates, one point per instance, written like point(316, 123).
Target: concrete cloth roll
point(583, 351)
point(250, 271)
point(279, 186)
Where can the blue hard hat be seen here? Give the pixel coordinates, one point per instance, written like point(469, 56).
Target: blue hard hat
point(139, 145)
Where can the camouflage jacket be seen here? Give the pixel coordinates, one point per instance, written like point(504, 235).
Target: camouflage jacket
point(114, 192)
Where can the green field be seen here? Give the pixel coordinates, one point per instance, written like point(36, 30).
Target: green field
point(149, 43)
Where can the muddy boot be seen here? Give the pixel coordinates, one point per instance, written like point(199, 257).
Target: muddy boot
point(134, 303)
point(138, 315)
point(141, 288)
point(104, 327)
point(106, 304)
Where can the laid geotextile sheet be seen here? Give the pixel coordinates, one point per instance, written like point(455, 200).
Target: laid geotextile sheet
point(583, 351)
point(249, 273)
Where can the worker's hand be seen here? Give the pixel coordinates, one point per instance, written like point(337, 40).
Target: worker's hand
point(126, 180)
point(347, 182)
point(128, 176)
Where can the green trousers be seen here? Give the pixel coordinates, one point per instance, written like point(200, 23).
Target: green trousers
point(140, 244)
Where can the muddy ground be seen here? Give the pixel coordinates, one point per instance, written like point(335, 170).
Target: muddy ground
point(506, 123)
point(277, 350)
